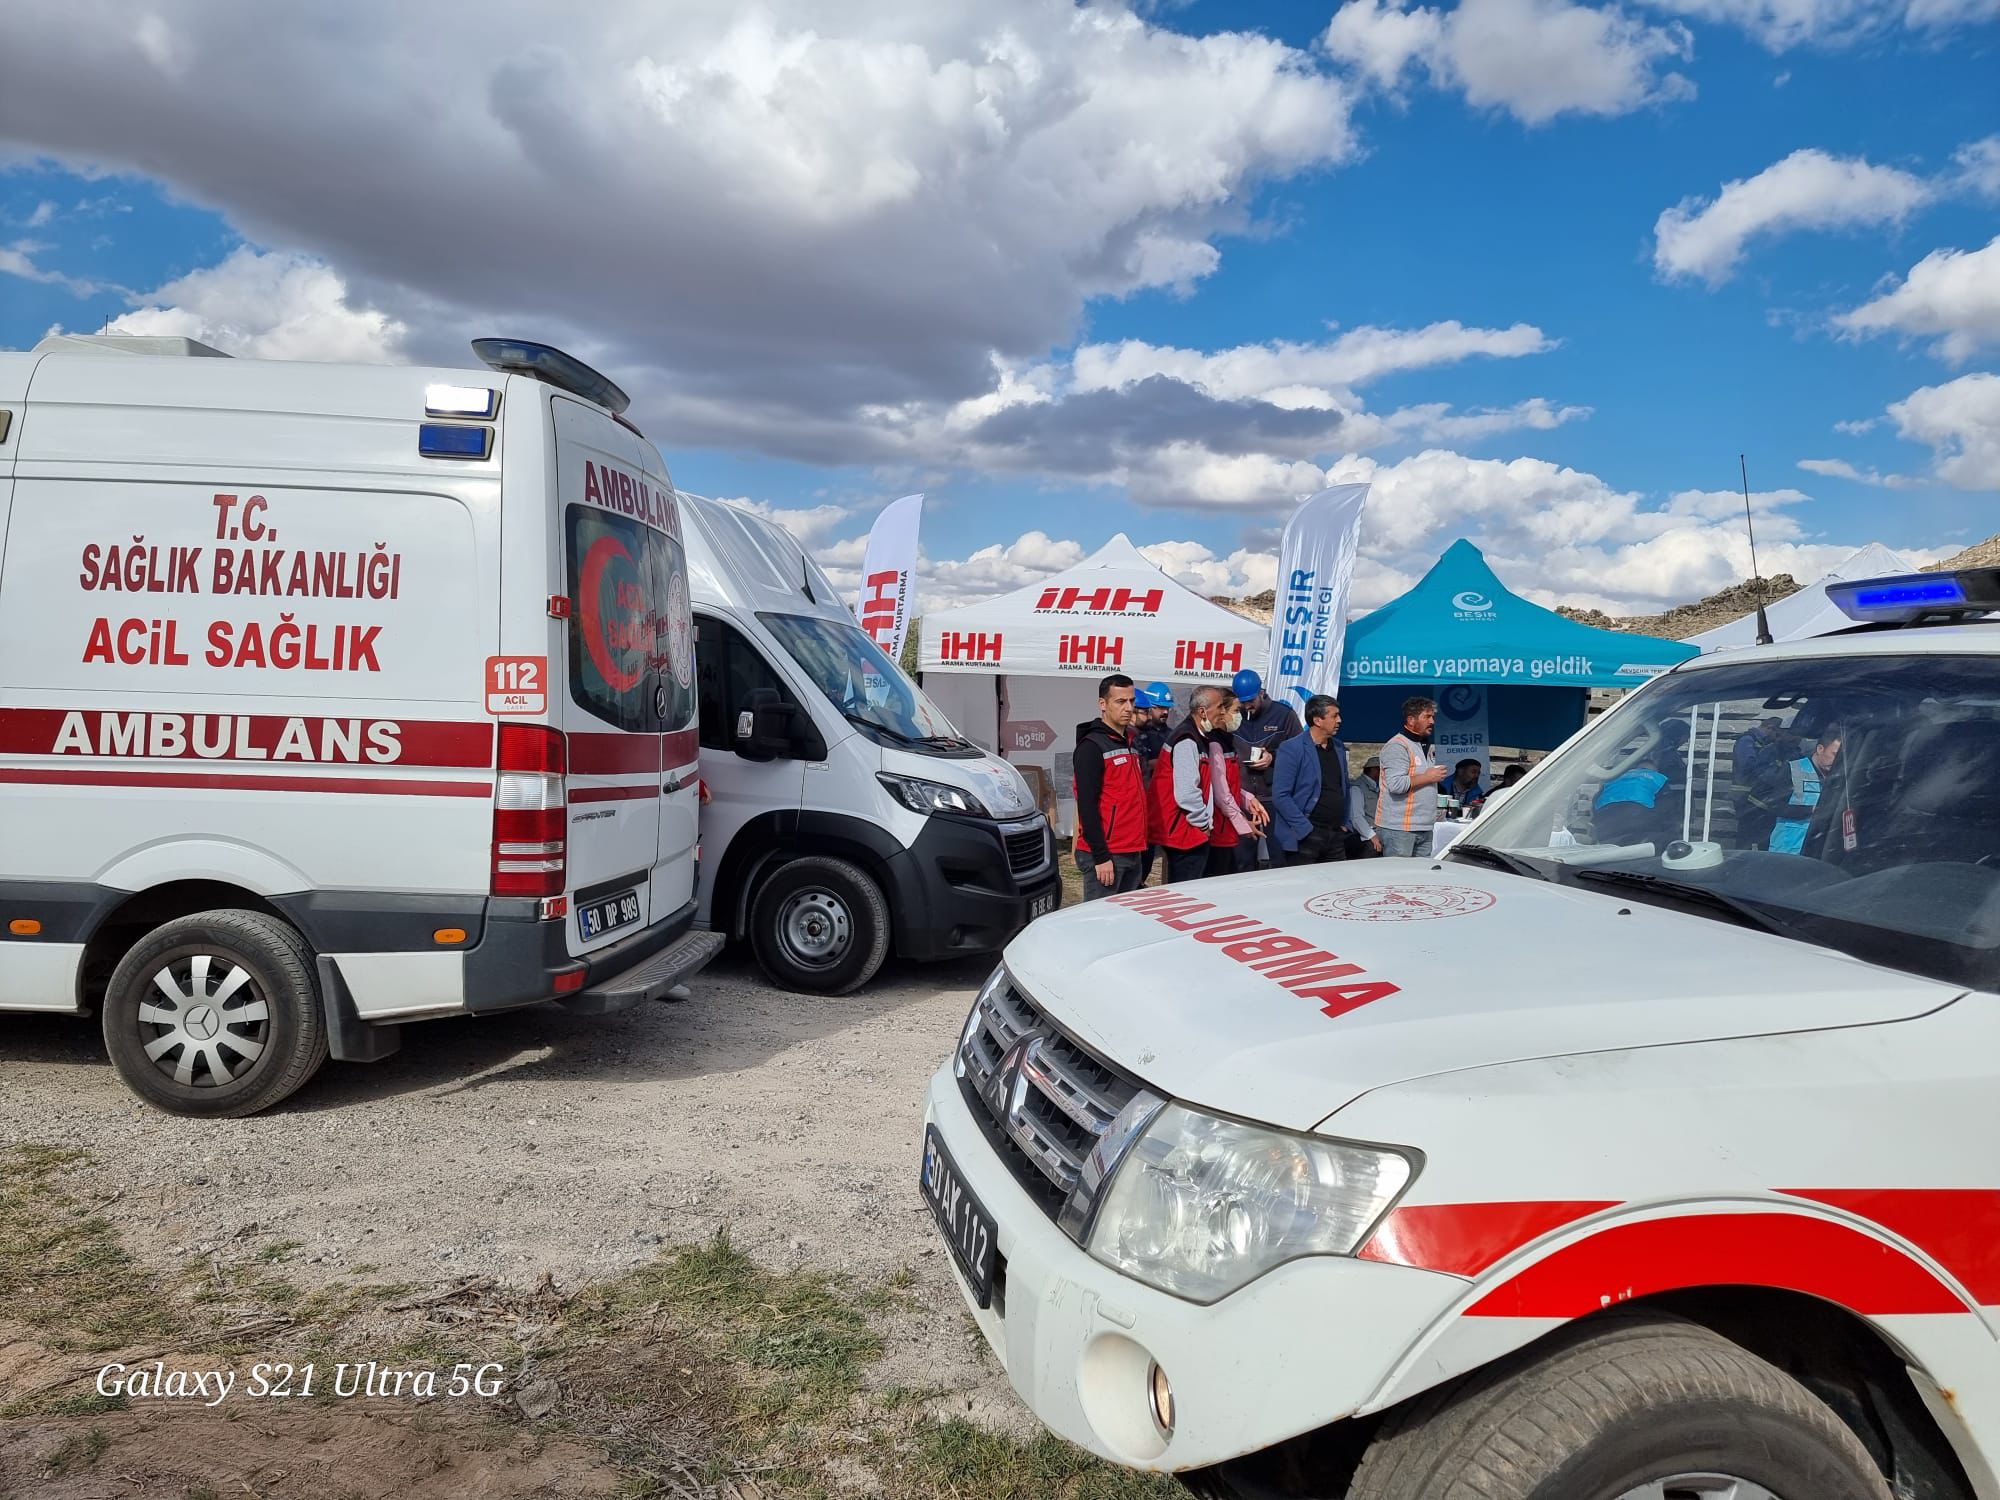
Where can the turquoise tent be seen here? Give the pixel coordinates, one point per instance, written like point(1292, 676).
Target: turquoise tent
point(1460, 625)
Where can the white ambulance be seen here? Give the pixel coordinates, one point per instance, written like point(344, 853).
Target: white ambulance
point(1617, 1155)
point(848, 819)
point(333, 698)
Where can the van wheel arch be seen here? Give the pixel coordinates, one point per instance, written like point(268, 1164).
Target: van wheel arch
point(119, 927)
point(766, 842)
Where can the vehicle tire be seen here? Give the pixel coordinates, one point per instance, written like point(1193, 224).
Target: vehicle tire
point(1638, 1407)
point(216, 1014)
point(819, 925)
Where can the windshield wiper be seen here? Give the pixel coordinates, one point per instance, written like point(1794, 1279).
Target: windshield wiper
point(1639, 882)
point(862, 721)
point(1498, 859)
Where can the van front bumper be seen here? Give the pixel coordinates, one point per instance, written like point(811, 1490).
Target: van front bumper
point(955, 892)
point(1304, 1345)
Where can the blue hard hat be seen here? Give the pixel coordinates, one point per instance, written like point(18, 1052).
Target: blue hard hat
point(1141, 698)
point(1246, 685)
point(1161, 695)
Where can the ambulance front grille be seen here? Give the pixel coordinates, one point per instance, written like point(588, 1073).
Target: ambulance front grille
point(1043, 1100)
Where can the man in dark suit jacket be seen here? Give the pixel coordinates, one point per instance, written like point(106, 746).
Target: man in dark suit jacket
point(1313, 803)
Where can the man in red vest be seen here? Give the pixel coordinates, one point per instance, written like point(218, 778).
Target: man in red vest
point(1200, 810)
point(1111, 812)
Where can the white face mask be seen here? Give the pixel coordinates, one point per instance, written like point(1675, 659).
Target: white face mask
point(1233, 723)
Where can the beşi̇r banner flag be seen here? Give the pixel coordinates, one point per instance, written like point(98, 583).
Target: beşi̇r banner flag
point(889, 576)
point(1315, 572)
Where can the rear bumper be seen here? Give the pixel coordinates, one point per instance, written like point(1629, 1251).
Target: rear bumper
point(954, 892)
point(520, 957)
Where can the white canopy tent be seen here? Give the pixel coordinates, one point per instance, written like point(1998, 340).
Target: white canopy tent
point(1018, 673)
point(1809, 612)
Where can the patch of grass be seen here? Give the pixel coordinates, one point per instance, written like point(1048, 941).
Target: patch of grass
point(280, 1251)
point(62, 1270)
point(78, 1450)
point(956, 1457)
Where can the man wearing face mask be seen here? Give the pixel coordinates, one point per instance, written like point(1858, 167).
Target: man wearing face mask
point(1200, 807)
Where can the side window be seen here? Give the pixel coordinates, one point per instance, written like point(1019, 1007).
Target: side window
point(730, 668)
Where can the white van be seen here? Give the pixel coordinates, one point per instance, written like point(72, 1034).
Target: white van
point(334, 697)
point(847, 815)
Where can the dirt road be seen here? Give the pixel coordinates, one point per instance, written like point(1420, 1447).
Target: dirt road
point(539, 1142)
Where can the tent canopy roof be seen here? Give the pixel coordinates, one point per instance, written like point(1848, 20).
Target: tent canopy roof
point(1115, 611)
point(1461, 624)
point(1809, 612)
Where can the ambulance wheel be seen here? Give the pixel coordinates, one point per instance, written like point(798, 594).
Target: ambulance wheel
point(819, 925)
point(1626, 1407)
point(215, 1014)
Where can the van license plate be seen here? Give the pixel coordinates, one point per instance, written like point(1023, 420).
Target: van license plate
point(601, 917)
point(1042, 905)
point(967, 1228)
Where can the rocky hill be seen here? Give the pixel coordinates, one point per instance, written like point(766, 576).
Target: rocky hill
point(1984, 554)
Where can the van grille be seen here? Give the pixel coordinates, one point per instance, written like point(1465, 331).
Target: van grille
point(1043, 1101)
point(1028, 850)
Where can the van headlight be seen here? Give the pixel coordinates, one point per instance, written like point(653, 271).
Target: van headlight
point(1201, 1206)
point(928, 797)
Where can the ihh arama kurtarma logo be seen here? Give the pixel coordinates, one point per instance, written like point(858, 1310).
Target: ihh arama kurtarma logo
point(1470, 604)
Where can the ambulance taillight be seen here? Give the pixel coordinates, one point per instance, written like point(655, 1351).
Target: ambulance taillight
point(530, 809)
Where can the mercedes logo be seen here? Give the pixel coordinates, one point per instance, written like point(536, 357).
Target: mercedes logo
point(201, 1023)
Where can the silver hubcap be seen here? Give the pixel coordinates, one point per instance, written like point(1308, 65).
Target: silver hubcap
point(816, 929)
point(1699, 1487)
point(204, 1021)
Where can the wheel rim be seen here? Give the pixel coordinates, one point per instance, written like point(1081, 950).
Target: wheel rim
point(1700, 1487)
point(204, 1021)
point(815, 929)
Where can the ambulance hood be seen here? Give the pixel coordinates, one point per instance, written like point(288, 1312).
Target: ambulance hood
point(1282, 997)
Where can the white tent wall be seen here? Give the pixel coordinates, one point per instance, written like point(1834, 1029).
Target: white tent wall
point(1809, 612)
point(969, 702)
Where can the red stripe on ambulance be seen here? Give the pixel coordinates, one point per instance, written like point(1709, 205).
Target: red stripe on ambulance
point(1463, 1239)
point(1309, 972)
point(1959, 1228)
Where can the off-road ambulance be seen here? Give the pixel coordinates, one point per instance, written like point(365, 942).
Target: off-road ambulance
point(1602, 1159)
point(848, 818)
point(333, 698)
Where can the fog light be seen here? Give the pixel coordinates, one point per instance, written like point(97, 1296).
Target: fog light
point(1163, 1399)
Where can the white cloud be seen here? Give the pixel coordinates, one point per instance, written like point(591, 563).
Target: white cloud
point(1857, 428)
point(1807, 190)
point(1536, 59)
point(1193, 565)
point(1437, 423)
point(1979, 166)
point(813, 525)
point(43, 213)
point(269, 305)
point(1783, 24)
point(1840, 468)
point(1960, 421)
point(18, 259)
point(1954, 294)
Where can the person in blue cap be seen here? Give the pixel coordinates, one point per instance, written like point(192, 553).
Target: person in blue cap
point(1267, 724)
point(1150, 733)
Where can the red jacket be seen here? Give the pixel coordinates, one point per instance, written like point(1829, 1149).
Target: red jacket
point(1111, 812)
point(1170, 825)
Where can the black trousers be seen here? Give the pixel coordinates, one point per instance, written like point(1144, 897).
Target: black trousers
point(1316, 848)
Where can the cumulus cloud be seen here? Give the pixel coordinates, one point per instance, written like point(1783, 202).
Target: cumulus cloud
point(1951, 294)
point(1840, 468)
point(773, 221)
point(1807, 190)
point(1781, 25)
point(1535, 59)
point(18, 259)
point(269, 305)
point(1960, 421)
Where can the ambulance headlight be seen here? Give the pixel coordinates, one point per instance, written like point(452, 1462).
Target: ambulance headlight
point(927, 797)
point(1201, 1206)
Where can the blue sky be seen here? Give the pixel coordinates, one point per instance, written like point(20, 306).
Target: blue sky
point(1074, 271)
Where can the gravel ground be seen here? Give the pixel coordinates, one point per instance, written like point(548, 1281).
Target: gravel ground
point(539, 1142)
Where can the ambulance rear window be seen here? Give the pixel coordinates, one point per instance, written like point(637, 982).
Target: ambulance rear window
point(631, 637)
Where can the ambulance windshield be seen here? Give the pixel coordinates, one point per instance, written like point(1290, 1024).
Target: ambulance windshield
point(870, 690)
point(1850, 802)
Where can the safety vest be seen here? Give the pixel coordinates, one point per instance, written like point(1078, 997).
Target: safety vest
point(1788, 834)
point(1170, 824)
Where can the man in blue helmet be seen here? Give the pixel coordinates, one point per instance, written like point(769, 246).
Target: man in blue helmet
point(1267, 724)
point(1151, 730)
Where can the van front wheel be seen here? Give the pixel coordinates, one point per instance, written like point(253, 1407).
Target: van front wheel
point(215, 1014)
point(819, 925)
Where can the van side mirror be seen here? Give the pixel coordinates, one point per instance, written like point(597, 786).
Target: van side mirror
point(764, 726)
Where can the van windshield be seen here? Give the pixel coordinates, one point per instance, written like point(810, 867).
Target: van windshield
point(859, 679)
point(1852, 803)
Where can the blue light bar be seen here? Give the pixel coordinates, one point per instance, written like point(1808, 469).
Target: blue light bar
point(545, 362)
point(1917, 596)
point(442, 440)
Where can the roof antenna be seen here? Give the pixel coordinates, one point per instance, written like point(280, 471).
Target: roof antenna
point(1763, 625)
